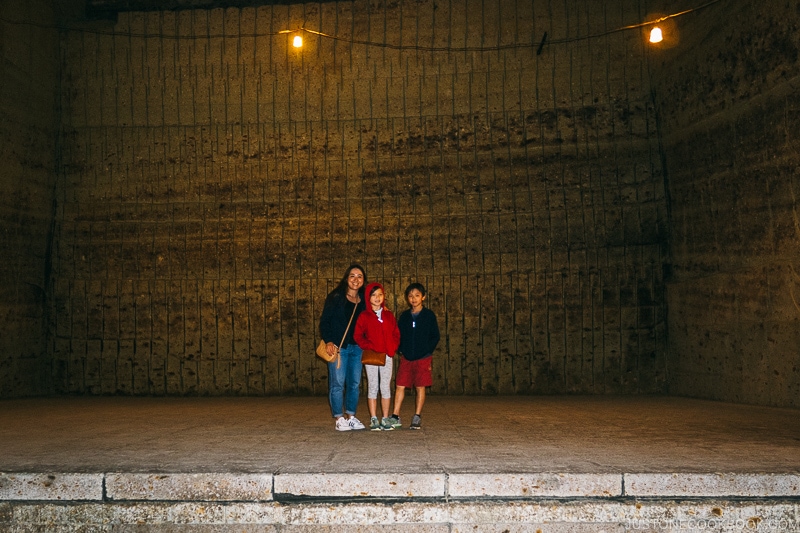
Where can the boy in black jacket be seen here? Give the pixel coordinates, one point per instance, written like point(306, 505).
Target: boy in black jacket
point(419, 335)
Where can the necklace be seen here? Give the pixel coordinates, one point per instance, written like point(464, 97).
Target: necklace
point(355, 299)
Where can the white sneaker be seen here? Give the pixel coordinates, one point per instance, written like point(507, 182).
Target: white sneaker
point(342, 424)
point(355, 423)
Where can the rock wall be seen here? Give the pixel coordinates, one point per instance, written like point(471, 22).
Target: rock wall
point(729, 98)
point(29, 81)
point(217, 182)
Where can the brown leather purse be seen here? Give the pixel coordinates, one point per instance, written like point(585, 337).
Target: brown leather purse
point(322, 352)
point(371, 357)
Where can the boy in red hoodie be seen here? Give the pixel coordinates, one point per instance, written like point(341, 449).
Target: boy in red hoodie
point(376, 329)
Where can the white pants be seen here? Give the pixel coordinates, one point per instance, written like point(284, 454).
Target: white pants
point(380, 376)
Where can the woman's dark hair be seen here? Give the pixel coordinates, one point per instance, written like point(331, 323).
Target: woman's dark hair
point(419, 286)
point(342, 287)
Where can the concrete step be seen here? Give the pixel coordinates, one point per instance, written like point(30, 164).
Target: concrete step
point(545, 515)
point(546, 502)
point(290, 487)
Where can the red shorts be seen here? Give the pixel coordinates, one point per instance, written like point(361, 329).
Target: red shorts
point(414, 373)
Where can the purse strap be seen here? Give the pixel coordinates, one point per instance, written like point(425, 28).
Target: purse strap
point(338, 360)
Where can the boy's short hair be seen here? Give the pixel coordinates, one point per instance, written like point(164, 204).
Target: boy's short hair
point(418, 286)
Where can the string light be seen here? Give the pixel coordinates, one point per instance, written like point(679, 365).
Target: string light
point(297, 42)
point(656, 30)
point(655, 35)
point(510, 46)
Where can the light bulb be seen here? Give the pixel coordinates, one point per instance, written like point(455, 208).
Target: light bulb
point(655, 35)
point(297, 42)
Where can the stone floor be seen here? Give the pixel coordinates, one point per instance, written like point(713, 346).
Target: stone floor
point(569, 434)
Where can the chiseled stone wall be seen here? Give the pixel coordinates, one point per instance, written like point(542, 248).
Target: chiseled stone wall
point(729, 98)
point(216, 183)
point(29, 80)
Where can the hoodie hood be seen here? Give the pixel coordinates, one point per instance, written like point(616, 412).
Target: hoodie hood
point(368, 293)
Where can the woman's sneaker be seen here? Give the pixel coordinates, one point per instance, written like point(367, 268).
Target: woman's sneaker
point(355, 423)
point(386, 424)
point(374, 424)
point(416, 422)
point(342, 424)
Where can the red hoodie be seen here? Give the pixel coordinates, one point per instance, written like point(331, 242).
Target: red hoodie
point(373, 334)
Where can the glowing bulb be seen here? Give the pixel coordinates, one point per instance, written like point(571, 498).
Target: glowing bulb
point(297, 42)
point(655, 35)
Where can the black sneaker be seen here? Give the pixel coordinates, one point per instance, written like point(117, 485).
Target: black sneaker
point(416, 423)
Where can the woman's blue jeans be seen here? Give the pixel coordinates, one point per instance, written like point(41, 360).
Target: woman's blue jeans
point(343, 382)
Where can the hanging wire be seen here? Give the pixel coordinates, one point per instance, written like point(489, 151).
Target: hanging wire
point(350, 40)
point(510, 46)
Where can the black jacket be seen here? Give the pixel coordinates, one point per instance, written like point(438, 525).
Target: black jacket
point(418, 337)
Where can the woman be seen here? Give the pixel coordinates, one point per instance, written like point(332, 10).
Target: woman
point(342, 307)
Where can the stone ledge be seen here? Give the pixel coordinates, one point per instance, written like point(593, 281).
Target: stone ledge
point(378, 485)
point(52, 486)
point(252, 487)
point(533, 485)
point(189, 487)
point(713, 485)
